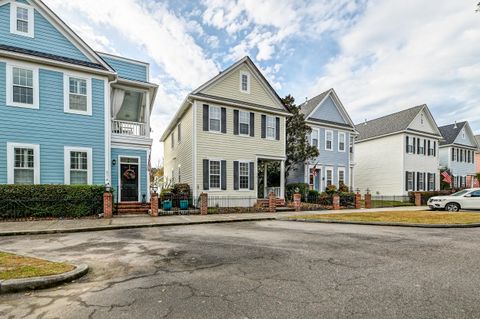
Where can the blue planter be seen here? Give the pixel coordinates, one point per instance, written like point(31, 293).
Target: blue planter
point(167, 205)
point(184, 204)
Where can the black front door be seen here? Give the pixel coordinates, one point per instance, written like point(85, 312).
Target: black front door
point(129, 186)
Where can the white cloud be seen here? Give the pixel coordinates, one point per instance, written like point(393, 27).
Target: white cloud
point(404, 53)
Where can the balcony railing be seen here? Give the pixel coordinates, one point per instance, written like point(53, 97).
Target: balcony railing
point(129, 128)
point(276, 190)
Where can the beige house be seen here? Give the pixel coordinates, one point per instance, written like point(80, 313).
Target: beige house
point(224, 131)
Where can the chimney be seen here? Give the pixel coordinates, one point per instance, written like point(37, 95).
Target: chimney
point(365, 122)
point(455, 125)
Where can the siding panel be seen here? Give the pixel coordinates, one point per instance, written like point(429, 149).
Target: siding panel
point(126, 69)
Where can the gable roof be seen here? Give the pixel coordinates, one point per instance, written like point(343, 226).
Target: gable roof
point(64, 29)
point(390, 124)
point(450, 132)
point(309, 107)
point(197, 94)
point(270, 90)
point(477, 137)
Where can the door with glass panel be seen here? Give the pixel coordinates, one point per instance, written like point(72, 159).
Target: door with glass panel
point(129, 180)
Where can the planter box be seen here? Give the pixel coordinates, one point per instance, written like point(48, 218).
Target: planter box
point(167, 205)
point(184, 204)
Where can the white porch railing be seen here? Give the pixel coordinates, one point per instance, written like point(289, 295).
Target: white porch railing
point(129, 128)
point(276, 190)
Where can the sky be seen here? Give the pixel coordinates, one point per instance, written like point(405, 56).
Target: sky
point(380, 56)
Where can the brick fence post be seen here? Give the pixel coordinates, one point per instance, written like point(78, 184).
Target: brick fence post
point(358, 201)
point(418, 199)
point(368, 200)
point(272, 202)
point(107, 205)
point(297, 201)
point(336, 202)
point(203, 203)
point(154, 205)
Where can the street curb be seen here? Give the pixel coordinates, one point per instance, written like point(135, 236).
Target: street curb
point(17, 285)
point(133, 226)
point(378, 223)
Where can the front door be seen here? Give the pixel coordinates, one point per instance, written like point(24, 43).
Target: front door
point(129, 182)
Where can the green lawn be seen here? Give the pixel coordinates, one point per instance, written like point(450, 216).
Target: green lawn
point(388, 203)
point(408, 217)
point(15, 267)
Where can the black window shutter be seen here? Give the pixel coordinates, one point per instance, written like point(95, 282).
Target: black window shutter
point(424, 147)
point(236, 184)
point(264, 126)
point(205, 117)
point(434, 181)
point(428, 182)
point(224, 120)
point(235, 121)
point(413, 184)
point(406, 180)
point(206, 174)
point(277, 128)
point(414, 146)
point(418, 181)
point(434, 148)
point(252, 124)
point(453, 152)
point(418, 146)
point(458, 155)
point(425, 181)
point(224, 176)
point(429, 147)
point(251, 178)
point(406, 147)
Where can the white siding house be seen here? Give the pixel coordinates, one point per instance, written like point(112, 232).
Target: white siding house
point(398, 153)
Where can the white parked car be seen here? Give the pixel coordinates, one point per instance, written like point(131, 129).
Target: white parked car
point(465, 199)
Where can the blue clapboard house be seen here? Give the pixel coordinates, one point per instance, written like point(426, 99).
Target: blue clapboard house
point(70, 115)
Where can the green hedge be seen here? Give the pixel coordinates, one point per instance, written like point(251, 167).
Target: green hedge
point(302, 188)
point(56, 201)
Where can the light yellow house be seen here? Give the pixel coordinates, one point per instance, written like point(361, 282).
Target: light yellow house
point(224, 131)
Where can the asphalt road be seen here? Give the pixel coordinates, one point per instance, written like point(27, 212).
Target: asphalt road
point(265, 269)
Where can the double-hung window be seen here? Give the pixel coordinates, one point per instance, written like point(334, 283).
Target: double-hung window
point(314, 138)
point(244, 175)
point(421, 148)
point(329, 176)
point(22, 86)
point(421, 178)
point(341, 177)
point(431, 182)
point(77, 92)
point(329, 140)
point(271, 128)
point(244, 121)
point(23, 164)
point(410, 146)
point(341, 141)
point(78, 166)
point(244, 82)
point(215, 115)
point(215, 174)
point(410, 184)
point(21, 19)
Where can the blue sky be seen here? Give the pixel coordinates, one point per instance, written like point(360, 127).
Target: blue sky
point(381, 56)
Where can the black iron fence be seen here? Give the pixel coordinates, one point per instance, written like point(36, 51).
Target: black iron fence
point(379, 201)
point(231, 205)
point(325, 201)
point(178, 205)
point(31, 209)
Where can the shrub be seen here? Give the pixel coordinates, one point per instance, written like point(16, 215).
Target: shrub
point(343, 188)
point(313, 193)
point(347, 199)
point(302, 188)
point(331, 189)
point(181, 189)
point(427, 195)
point(57, 201)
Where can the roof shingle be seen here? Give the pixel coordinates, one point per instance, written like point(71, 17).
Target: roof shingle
point(450, 132)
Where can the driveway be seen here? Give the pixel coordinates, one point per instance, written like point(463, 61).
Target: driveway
point(266, 269)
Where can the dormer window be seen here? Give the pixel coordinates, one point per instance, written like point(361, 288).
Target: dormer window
point(21, 19)
point(245, 82)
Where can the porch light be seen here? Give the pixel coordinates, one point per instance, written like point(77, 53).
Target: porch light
point(114, 162)
point(297, 190)
point(154, 189)
point(108, 188)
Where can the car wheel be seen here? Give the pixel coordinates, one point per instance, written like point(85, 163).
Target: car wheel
point(452, 207)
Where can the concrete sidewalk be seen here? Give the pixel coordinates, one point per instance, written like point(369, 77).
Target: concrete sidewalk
point(83, 225)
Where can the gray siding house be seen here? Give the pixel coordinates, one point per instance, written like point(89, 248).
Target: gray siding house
point(457, 153)
point(333, 132)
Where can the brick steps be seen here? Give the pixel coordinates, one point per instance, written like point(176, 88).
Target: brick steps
point(132, 208)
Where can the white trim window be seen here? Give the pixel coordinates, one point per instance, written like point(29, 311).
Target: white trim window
point(215, 119)
point(329, 140)
point(342, 141)
point(421, 179)
point(23, 163)
point(215, 174)
point(22, 86)
point(410, 183)
point(314, 141)
point(421, 147)
point(245, 82)
point(78, 166)
point(341, 176)
point(431, 182)
point(328, 176)
point(271, 129)
point(78, 94)
point(410, 146)
point(21, 19)
point(244, 123)
point(244, 175)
